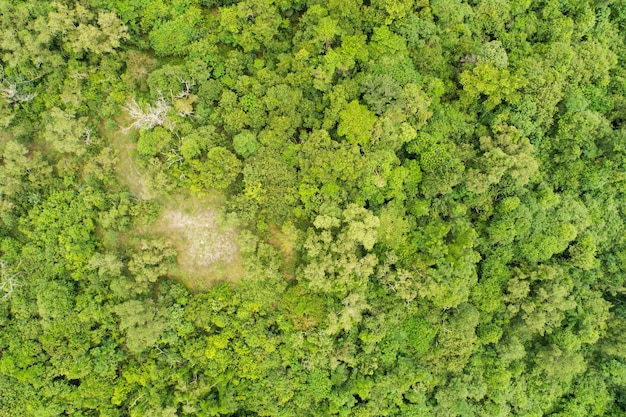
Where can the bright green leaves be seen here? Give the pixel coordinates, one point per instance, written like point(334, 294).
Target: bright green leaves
point(394, 227)
point(362, 226)
point(353, 48)
point(21, 180)
point(321, 29)
point(581, 140)
point(106, 36)
point(54, 301)
point(53, 29)
point(583, 252)
point(174, 37)
point(420, 333)
point(495, 53)
point(553, 230)
point(439, 160)
point(270, 183)
point(190, 148)
point(219, 170)
point(456, 341)
point(150, 262)
point(249, 24)
point(381, 92)
point(384, 41)
point(336, 264)
point(446, 177)
point(444, 261)
point(318, 385)
point(63, 227)
point(153, 142)
point(306, 310)
point(491, 16)
point(330, 171)
point(497, 85)
point(356, 123)
point(417, 103)
point(539, 230)
point(325, 31)
point(142, 323)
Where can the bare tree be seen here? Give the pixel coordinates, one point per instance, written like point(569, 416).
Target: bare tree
point(184, 99)
point(186, 113)
point(8, 280)
point(185, 91)
point(172, 157)
point(148, 116)
point(87, 135)
point(12, 92)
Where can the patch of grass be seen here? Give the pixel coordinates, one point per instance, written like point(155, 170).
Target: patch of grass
point(127, 170)
point(207, 253)
point(285, 240)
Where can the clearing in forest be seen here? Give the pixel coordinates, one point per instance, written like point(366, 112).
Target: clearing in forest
point(206, 252)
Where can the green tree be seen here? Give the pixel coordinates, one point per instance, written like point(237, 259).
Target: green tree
point(65, 132)
point(219, 170)
point(245, 144)
point(356, 123)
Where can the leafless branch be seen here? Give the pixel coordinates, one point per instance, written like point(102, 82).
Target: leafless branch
point(185, 113)
point(11, 91)
point(87, 134)
point(135, 402)
point(172, 157)
point(8, 280)
point(13, 95)
point(187, 90)
point(149, 116)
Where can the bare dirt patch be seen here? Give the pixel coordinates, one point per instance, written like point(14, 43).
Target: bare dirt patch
point(207, 253)
point(205, 245)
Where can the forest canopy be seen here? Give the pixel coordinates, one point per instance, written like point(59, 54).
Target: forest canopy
point(313, 208)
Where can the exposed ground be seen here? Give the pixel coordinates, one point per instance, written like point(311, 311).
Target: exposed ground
point(207, 253)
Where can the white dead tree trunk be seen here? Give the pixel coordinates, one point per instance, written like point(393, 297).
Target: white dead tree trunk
point(10, 91)
point(149, 116)
point(185, 91)
point(87, 135)
point(12, 95)
point(183, 101)
point(8, 281)
point(172, 157)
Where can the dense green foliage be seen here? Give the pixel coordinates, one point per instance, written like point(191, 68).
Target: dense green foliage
point(430, 197)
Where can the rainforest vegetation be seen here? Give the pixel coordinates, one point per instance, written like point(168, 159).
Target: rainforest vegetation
point(313, 208)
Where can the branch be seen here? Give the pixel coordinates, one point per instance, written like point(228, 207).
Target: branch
point(187, 90)
point(8, 280)
point(148, 117)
